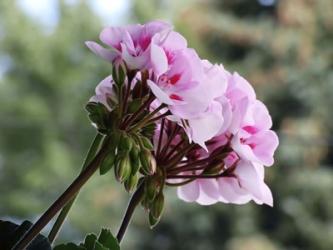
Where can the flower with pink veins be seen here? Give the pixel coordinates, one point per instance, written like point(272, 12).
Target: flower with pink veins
point(254, 141)
point(240, 95)
point(190, 86)
point(130, 44)
point(244, 184)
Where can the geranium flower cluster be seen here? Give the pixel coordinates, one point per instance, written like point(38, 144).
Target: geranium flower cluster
point(210, 135)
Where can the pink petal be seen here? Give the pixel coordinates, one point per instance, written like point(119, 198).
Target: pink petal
point(112, 36)
point(239, 111)
point(207, 125)
point(159, 93)
point(206, 200)
point(159, 60)
point(174, 41)
point(133, 62)
point(249, 178)
point(209, 188)
point(267, 197)
point(189, 192)
point(243, 150)
point(106, 54)
point(230, 191)
point(265, 143)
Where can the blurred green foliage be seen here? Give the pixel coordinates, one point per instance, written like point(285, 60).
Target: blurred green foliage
point(284, 49)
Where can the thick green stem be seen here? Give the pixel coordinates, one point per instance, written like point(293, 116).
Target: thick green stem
point(134, 201)
point(64, 212)
point(63, 199)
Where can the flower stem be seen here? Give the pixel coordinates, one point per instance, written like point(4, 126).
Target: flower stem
point(150, 117)
point(63, 199)
point(134, 201)
point(64, 212)
point(138, 112)
point(160, 138)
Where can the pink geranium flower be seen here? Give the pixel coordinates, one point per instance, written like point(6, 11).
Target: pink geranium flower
point(211, 115)
point(131, 44)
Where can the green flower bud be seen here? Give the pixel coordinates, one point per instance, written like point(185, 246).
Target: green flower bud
point(145, 202)
point(107, 163)
point(125, 143)
point(123, 168)
point(152, 221)
point(157, 206)
point(152, 187)
point(146, 143)
point(148, 162)
point(135, 159)
point(119, 74)
point(131, 183)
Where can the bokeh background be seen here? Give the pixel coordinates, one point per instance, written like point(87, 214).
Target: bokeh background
point(283, 47)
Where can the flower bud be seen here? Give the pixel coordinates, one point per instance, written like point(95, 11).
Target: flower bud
point(152, 187)
point(145, 202)
point(148, 162)
point(119, 73)
point(131, 183)
point(157, 206)
point(107, 163)
point(152, 221)
point(123, 168)
point(125, 143)
point(146, 143)
point(135, 159)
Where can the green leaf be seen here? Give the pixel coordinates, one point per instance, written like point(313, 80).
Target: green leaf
point(98, 114)
point(69, 246)
point(10, 233)
point(108, 240)
point(89, 241)
point(99, 246)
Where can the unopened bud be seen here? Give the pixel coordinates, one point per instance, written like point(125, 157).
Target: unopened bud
point(148, 162)
point(107, 163)
point(157, 206)
point(152, 187)
point(125, 143)
point(135, 159)
point(119, 73)
point(123, 168)
point(146, 143)
point(131, 183)
point(152, 221)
